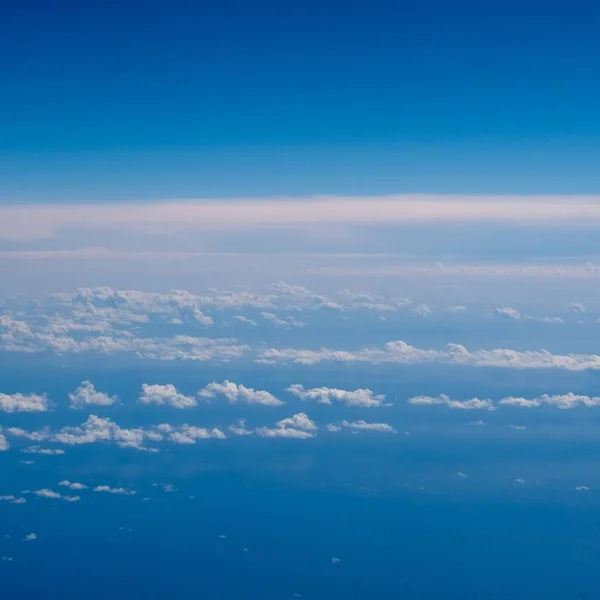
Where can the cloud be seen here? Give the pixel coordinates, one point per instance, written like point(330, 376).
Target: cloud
point(36, 436)
point(518, 427)
point(4, 445)
point(399, 352)
point(562, 401)
point(361, 425)
point(13, 499)
point(576, 307)
point(46, 493)
point(119, 491)
point(325, 395)
point(12, 403)
point(299, 427)
point(582, 488)
point(73, 485)
point(472, 404)
point(508, 313)
point(86, 395)
point(239, 428)
point(46, 451)
point(165, 395)
point(333, 428)
point(456, 309)
point(245, 320)
point(189, 434)
point(422, 310)
point(287, 322)
point(235, 393)
point(30, 537)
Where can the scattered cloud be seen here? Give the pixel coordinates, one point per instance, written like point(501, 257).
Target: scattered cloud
point(30, 537)
point(46, 451)
point(508, 313)
point(46, 493)
point(472, 404)
point(73, 485)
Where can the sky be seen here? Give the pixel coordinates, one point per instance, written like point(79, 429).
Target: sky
point(299, 300)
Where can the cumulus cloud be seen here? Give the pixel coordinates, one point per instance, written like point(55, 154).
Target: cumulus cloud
point(189, 434)
point(169, 395)
point(456, 309)
point(508, 313)
point(582, 488)
point(362, 425)
point(472, 404)
point(73, 485)
point(30, 537)
point(239, 428)
point(298, 426)
point(46, 493)
point(12, 403)
point(422, 310)
point(13, 499)
point(245, 320)
point(86, 395)
point(235, 393)
point(119, 490)
point(4, 445)
point(399, 352)
point(562, 401)
point(325, 395)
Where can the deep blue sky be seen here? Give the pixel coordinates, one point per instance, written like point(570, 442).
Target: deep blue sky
point(155, 99)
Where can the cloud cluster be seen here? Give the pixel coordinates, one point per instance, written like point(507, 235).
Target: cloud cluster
point(562, 401)
point(324, 395)
point(399, 352)
point(48, 493)
point(12, 403)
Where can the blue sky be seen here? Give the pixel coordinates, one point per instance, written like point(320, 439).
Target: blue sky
point(299, 300)
point(113, 100)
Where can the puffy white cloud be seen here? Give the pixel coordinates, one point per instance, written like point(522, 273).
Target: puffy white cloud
point(298, 426)
point(333, 428)
point(165, 395)
point(362, 425)
point(189, 434)
point(325, 395)
point(4, 445)
point(471, 404)
point(73, 485)
point(240, 428)
point(86, 395)
point(399, 352)
point(508, 313)
point(298, 421)
point(30, 537)
point(23, 403)
point(119, 491)
point(36, 436)
point(239, 393)
point(46, 493)
point(582, 488)
point(284, 432)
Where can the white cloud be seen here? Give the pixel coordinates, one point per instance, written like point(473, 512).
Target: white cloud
point(86, 395)
point(284, 432)
point(582, 488)
point(456, 309)
point(362, 425)
point(23, 403)
point(46, 493)
point(30, 537)
point(287, 322)
point(325, 395)
point(508, 313)
point(517, 427)
point(422, 310)
point(13, 499)
point(245, 320)
point(73, 485)
point(298, 421)
point(399, 352)
point(36, 436)
point(119, 491)
point(471, 404)
point(577, 307)
point(4, 445)
point(240, 428)
point(46, 451)
point(235, 393)
point(165, 395)
point(188, 434)
point(333, 428)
